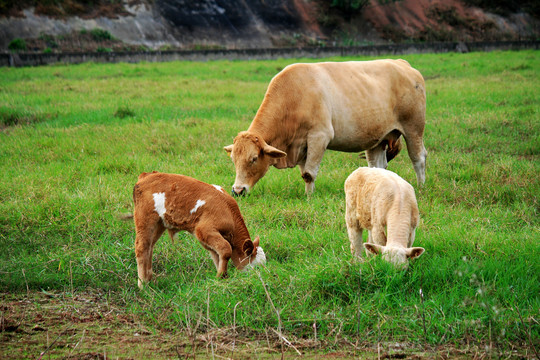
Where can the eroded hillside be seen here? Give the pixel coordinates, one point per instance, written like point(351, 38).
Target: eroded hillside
point(133, 24)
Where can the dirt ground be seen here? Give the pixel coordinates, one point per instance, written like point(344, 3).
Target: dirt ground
point(42, 325)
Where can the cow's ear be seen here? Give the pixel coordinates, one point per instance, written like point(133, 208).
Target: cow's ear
point(373, 248)
point(415, 252)
point(228, 149)
point(248, 247)
point(273, 152)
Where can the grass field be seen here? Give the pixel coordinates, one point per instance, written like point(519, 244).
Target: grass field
point(74, 139)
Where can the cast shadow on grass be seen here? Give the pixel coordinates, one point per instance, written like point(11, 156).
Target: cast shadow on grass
point(15, 117)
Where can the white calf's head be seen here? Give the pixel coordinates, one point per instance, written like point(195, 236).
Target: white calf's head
point(252, 157)
point(398, 256)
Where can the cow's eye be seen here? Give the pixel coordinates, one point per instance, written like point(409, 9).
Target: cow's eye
point(253, 160)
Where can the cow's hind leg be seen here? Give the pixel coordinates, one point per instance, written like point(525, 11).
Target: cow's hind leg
point(148, 231)
point(413, 132)
point(418, 155)
point(219, 248)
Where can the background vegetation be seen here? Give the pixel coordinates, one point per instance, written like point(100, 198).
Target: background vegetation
point(75, 138)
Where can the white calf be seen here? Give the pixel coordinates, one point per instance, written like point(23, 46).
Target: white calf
point(377, 199)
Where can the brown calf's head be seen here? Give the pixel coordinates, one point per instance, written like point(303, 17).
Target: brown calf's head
point(252, 157)
point(250, 256)
point(395, 255)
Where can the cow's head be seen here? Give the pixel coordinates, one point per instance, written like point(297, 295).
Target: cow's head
point(250, 255)
point(252, 157)
point(395, 255)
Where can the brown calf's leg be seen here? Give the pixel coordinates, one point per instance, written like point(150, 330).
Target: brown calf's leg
point(219, 248)
point(148, 232)
point(215, 258)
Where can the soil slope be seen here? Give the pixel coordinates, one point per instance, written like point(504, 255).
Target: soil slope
point(184, 24)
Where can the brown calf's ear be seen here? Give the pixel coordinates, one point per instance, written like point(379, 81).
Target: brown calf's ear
point(248, 247)
point(373, 248)
point(228, 149)
point(256, 242)
point(273, 152)
point(415, 252)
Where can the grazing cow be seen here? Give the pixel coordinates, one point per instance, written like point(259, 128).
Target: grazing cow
point(346, 106)
point(177, 202)
point(375, 199)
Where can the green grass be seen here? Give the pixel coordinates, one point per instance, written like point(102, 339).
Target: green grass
point(75, 138)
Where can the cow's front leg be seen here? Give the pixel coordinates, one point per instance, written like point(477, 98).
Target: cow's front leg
point(316, 145)
point(376, 157)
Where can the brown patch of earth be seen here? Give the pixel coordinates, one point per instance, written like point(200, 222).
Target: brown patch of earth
point(431, 20)
point(90, 325)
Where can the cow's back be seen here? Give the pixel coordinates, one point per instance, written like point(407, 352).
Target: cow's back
point(371, 99)
point(186, 199)
point(359, 102)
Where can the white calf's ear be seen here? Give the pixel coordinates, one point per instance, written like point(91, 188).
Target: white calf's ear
point(256, 242)
point(415, 252)
point(228, 149)
point(273, 152)
point(373, 248)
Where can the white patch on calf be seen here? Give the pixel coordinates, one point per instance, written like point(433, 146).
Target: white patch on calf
point(260, 259)
point(159, 203)
point(218, 188)
point(197, 206)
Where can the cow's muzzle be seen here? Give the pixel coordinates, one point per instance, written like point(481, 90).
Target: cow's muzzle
point(239, 191)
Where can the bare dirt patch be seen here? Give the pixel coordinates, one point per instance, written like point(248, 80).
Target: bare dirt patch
point(43, 325)
point(89, 325)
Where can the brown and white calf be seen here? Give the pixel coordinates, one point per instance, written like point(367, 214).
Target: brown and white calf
point(377, 199)
point(178, 202)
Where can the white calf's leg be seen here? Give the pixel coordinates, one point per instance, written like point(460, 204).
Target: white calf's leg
point(353, 229)
point(355, 238)
point(377, 235)
point(411, 238)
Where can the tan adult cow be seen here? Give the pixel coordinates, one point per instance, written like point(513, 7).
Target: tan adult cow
point(344, 106)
